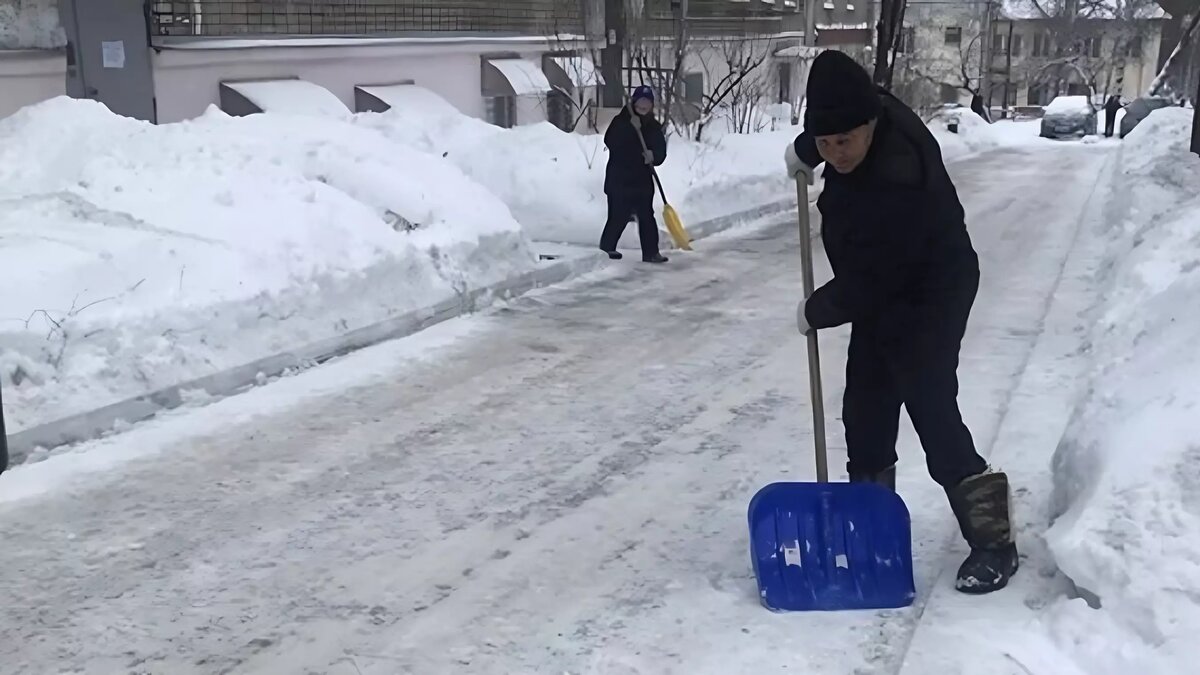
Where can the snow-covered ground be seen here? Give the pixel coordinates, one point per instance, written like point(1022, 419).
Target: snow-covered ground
point(1127, 473)
point(975, 135)
point(553, 182)
point(153, 255)
point(139, 256)
point(556, 485)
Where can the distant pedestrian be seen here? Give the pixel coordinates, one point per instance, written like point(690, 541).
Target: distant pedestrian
point(905, 276)
point(1111, 106)
point(636, 144)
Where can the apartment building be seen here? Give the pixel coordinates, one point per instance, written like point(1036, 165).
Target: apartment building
point(1035, 58)
point(511, 62)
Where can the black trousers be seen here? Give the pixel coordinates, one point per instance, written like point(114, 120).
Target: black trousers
point(1109, 122)
point(621, 205)
point(909, 357)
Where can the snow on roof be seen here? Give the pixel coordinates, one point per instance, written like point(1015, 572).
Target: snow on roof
point(525, 76)
point(843, 26)
point(410, 97)
point(297, 97)
point(1068, 105)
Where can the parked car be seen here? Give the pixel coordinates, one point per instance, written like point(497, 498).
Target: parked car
point(1139, 109)
point(1069, 117)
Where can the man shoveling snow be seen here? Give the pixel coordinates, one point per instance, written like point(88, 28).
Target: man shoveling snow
point(905, 277)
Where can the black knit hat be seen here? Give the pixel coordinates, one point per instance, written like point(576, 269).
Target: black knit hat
point(841, 96)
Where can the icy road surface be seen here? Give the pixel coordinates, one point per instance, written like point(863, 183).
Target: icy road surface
point(557, 486)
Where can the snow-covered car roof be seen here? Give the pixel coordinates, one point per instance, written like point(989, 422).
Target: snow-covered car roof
point(1069, 105)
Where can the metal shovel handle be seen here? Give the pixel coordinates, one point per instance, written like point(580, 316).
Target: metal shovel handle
point(814, 356)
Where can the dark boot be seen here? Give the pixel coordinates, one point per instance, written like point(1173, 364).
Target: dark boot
point(656, 258)
point(981, 504)
point(613, 255)
point(886, 478)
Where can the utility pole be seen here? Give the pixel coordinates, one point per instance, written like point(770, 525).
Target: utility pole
point(612, 56)
point(810, 23)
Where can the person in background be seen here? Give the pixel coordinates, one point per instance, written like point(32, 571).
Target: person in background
point(1111, 106)
point(636, 144)
point(905, 275)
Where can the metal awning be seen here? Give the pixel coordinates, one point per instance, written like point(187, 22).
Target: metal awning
point(513, 77)
point(572, 72)
point(286, 95)
point(797, 52)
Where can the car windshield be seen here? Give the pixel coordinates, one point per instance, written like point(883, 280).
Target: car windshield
point(1069, 105)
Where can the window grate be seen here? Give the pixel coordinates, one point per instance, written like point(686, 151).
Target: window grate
point(225, 18)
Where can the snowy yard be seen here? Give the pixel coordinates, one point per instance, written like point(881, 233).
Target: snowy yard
point(558, 483)
point(149, 256)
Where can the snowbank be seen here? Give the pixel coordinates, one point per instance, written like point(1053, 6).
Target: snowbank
point(139, 256)
point(554, 181)
point(30, 24)
point(1127, 472)
point(975, 135)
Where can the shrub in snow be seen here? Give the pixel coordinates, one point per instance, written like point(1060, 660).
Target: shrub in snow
point(1127, 472)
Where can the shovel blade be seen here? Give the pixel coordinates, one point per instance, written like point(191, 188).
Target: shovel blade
point(831, 546)
point(675, 227)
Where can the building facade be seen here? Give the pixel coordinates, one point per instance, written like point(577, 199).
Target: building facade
point(1037, 59)
point(512, 62)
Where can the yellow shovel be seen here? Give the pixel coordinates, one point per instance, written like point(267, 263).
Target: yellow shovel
point(671, 218)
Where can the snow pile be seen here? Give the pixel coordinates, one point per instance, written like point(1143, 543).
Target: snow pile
point(975, 135)
point(138, 257)
point(1069, 105)
point(30, 24)
point(554, 181)
point(1127, 472)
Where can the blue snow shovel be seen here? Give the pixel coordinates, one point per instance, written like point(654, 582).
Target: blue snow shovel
point(828, 546)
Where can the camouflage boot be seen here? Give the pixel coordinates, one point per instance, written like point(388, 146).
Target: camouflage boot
point(886, 478)
point(981, 504)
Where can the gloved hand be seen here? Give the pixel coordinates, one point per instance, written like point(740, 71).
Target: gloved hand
point(796, 166)
point(649, 155)
point(801, 320)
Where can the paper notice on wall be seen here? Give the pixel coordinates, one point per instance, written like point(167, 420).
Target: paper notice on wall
point(114, 54)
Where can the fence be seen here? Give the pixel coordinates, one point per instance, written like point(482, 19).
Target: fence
point(225, 18)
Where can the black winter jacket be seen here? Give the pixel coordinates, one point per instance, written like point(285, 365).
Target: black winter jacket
point(627, 172)
point(893, 228)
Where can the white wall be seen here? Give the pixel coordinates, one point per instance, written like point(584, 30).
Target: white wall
point(30, 76)
point(187, 81)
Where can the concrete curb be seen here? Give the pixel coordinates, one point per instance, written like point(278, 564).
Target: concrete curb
point(96, 423)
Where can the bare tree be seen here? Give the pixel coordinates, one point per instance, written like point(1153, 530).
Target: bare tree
point(1160, 83)
point(739, 82)
point(889, 32)
point(657, 59)
point(962, 75)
